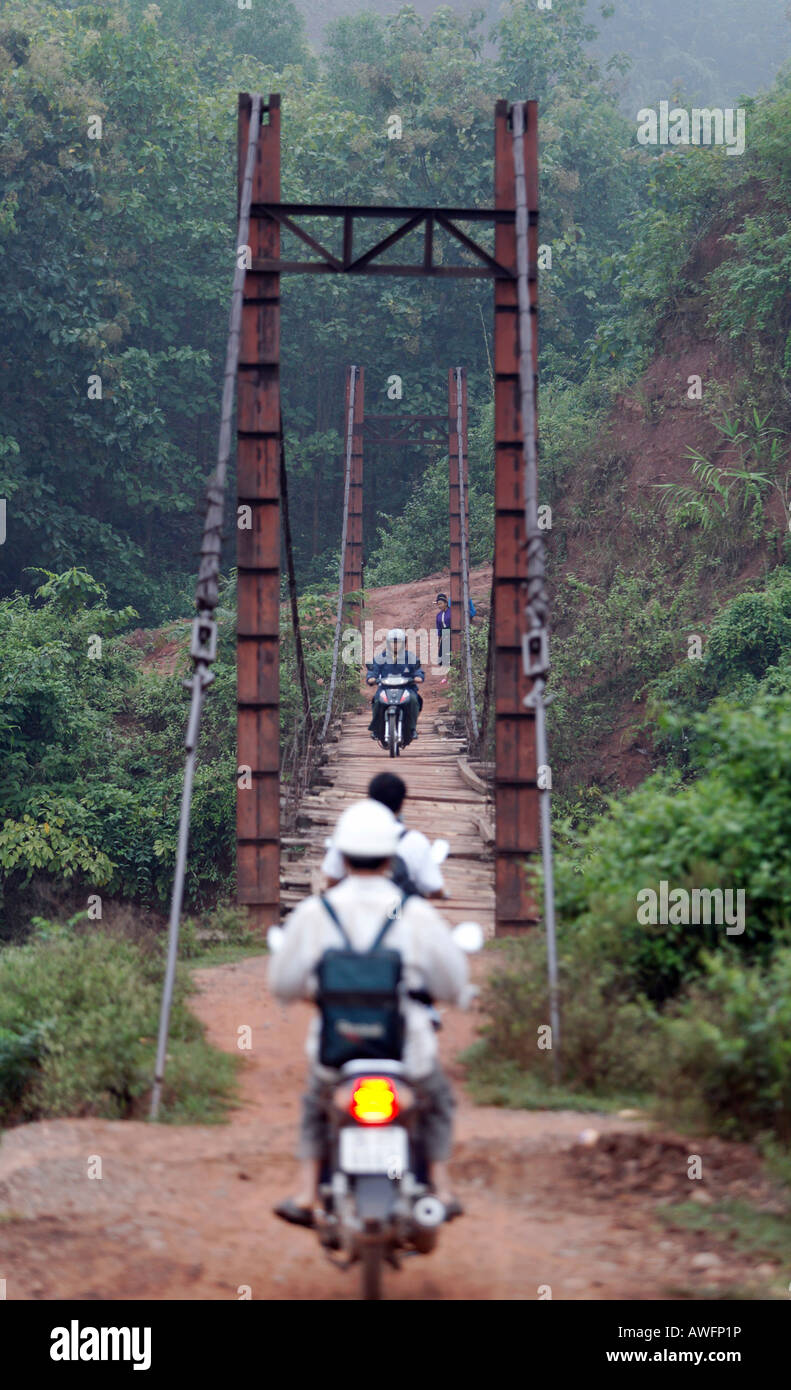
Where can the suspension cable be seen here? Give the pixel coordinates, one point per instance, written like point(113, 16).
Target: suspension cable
point(203, 647)
point(342, 567)
point(292, 588)
point(535, 641)
point(486, 706)
point(465, 568)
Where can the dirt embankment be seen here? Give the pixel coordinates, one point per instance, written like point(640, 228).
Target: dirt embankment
point(185, 1212)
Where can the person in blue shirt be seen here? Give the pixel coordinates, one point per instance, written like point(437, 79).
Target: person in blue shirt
point(443, 621)
point(395, 660)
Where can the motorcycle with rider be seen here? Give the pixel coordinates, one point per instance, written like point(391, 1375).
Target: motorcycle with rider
point(377, 1113)
point(395, 707)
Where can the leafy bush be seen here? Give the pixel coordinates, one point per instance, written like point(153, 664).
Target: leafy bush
point(693, 1014)
point(727, 1050)
point(726, 829)
point(609, 1041)
point(746, 654)
point(78, 1026)
point(92, 748)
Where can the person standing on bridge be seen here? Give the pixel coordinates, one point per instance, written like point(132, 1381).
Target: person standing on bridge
point(443, 624)
point(417, 872)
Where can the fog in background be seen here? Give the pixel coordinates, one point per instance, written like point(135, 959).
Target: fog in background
point(710, 51)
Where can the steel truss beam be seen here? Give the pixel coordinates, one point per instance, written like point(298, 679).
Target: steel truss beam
point(411, 220)
point(422, 425)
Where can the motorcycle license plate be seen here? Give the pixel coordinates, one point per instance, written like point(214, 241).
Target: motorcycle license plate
point(374, 1150)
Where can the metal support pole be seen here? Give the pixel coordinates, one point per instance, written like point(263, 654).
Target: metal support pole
point(351, 394)
point(258, 593)
point(464, 532)
point(517, 837)
point(535, 649)
point(457, 446)
point(203, 647)
point(177, 893)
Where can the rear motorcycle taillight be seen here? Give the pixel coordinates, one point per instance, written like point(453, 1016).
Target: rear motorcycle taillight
point(374, 1100)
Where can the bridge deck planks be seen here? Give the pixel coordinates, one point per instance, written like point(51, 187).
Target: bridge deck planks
point(439, 803)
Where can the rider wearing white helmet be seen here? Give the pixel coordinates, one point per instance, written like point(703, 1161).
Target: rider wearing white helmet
point(367, 836)
point(394, 660)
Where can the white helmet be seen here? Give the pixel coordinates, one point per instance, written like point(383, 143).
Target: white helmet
point(396, 634)
point(367, 830)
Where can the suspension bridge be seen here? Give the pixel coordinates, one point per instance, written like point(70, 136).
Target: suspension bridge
point(494, 843)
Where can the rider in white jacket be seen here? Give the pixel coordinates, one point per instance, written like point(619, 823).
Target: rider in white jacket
point(367, 836)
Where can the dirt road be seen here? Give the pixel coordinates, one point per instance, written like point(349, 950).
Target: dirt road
point(185, 1212)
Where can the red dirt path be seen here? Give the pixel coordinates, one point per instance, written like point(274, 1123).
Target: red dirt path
point(184, 1212)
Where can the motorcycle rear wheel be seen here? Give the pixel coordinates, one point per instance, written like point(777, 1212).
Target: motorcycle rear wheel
point(371, 1271)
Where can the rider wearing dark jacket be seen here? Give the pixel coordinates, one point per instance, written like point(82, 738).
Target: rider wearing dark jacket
point(395, 660)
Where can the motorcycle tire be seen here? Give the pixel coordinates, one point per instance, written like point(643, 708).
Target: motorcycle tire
point(392, 738)
point(371, 1267)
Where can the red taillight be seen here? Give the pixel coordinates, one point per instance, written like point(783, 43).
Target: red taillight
point(374, 1101)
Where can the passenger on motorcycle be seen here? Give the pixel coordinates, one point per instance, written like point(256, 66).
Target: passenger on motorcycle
point(395, 660)
point(432, 963)
point(420, 874)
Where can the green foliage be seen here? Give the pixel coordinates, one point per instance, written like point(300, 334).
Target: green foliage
point(746, 655)
point(613, 636)
point(726, 496)
point(599, 1020)
point(693, 52)
point(721, 830)
point(92, 748)
point(26, 847)
point(417, 542)
point(112, 483)
point(78, 1023)
point(727, 1050)
point(684, 1012)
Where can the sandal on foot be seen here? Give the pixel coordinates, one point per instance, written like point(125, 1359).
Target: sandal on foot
point(294, 1214)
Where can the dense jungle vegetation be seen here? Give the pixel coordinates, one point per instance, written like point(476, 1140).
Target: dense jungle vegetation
point(117, 256)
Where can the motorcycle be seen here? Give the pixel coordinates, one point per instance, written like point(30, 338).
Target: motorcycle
point(378, 1205)
point(395, 694)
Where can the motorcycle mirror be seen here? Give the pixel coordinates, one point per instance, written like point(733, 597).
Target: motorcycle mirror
point(440, 851)
point(274, 938)
point(468, 937)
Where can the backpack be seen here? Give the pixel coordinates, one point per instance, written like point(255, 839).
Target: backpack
point(400, 874)
point(358, 996)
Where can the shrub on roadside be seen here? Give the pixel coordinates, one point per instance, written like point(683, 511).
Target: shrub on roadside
point(727, 1050)
point(78, 1026)
point(609, 1041)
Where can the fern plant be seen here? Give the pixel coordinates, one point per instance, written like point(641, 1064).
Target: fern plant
point(721, 488)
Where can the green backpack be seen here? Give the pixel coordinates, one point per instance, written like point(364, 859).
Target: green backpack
point(359, 999)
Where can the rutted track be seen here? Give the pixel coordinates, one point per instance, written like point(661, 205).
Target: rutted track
point(184, 1212)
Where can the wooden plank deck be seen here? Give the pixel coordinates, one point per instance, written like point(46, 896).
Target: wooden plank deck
point(440, 802)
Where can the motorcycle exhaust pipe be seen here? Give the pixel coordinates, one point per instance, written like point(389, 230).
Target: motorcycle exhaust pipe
point(428, 1212)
